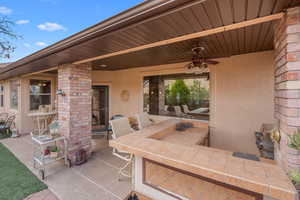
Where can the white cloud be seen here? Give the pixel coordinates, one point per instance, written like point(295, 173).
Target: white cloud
point(27, 45)
point(41, 44)
point(22, 21)
point(48, 26)
point(5, 11)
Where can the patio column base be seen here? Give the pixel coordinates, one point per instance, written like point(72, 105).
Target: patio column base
point(74, 107)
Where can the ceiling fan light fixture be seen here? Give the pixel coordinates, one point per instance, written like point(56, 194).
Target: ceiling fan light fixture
point(199, 64)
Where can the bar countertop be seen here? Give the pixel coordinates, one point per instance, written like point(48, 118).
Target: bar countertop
point(260, 177)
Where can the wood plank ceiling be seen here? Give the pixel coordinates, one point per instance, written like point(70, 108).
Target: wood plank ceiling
point(179, 18)
point(203, 16)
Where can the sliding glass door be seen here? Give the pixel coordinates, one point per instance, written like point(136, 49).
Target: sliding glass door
point(100, 108)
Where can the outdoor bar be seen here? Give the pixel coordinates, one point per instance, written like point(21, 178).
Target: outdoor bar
point(177, 168)
point(177, 99)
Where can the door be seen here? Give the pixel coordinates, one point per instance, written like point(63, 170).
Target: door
point(100, 108)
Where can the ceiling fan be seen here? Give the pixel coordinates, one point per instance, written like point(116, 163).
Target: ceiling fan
point(199, 64)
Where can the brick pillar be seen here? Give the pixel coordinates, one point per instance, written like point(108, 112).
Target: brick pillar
point(74, 107)
point(287, 85)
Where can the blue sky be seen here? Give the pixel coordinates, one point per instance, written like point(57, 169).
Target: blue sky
point(44, 22)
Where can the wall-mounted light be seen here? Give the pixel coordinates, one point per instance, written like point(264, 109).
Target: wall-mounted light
point(60, 92)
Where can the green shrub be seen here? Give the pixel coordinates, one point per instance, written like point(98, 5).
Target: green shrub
point(294, 141)
point(295, 177)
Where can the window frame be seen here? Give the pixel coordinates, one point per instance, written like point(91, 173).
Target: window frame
point(39, 94)
point(17, 83)
point(176, 76)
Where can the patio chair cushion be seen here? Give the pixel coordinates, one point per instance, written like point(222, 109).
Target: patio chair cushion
point(120, 127)
point(177, 110)
point(186, 109)
point(144, 120)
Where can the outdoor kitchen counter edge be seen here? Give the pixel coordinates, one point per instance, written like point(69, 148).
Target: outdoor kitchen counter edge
point(260, 177)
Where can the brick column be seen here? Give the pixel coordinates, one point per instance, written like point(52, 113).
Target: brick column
point(287, 85)
point(74, 107)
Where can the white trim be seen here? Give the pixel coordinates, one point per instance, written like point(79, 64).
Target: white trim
point(41, 94)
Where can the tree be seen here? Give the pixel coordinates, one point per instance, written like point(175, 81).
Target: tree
point(6, 33)
point(198, 93)
point(167, 95)
point(179, 93)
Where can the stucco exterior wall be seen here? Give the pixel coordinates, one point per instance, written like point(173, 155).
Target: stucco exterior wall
point(27, 124)
point(6, 108)
point(242, 96)
point(242, 89)
point(24, 123)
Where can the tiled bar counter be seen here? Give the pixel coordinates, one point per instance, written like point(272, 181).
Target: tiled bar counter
point(172, 165)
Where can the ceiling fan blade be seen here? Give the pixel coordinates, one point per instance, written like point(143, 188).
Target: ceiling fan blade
point(211, 62)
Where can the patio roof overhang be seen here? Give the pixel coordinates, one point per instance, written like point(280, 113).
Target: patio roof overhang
point(160, 20)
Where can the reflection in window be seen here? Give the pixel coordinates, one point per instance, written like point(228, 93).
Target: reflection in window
point(40, 93)
point(14, 87)
point(1, 95)
point(178, 95)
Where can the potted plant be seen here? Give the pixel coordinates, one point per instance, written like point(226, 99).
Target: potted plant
point(294, 150)
point(295, 177)
point(295, 140)
point(54, 150)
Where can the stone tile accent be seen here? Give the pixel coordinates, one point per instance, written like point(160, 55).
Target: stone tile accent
point(287, 84)
point(260, 177)
point(74, 107)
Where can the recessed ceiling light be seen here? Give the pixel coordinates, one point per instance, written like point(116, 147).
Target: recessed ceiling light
point(103, 65)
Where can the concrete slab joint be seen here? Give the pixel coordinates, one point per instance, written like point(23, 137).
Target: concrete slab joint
point(74, 107)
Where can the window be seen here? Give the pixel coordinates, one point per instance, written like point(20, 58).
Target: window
point(14, 88)
point(40, 93)
point(178, 95)
point(1, 95)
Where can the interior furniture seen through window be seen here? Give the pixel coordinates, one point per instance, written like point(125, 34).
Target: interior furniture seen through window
point(1, 95)
point(14, 87)
point(177, 95)
point(40, 93)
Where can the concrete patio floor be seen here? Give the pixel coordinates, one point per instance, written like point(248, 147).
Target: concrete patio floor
point(94, 180)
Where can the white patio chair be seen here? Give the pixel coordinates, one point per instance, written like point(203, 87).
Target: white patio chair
point(178, 111)
point(186, 109)
point(121, 127)
point(143, 120)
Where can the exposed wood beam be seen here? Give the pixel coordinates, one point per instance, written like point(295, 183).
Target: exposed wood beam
point(42, 71)
point(189, 36)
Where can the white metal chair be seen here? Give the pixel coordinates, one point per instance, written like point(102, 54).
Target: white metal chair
point(186, 109)
point(143, 120)
point(121, 127)
point(178, 111)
